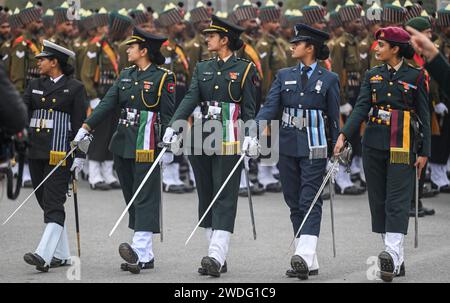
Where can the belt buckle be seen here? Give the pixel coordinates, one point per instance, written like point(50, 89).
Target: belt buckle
point(296, 121)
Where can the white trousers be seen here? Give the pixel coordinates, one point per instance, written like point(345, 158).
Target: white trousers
point(143, 245)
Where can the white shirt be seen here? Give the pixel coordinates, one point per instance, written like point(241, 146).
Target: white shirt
point(57, 78)
point(144, 69)
point(397, 67)
point(224, 59)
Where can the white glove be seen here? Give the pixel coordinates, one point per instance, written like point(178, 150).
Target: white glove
point(346, 109)
point(171, 139)
point(77, 166)
point(82, 140)
point(441, 109)
point(251, 147)
point(167, 158)
point(94, 102)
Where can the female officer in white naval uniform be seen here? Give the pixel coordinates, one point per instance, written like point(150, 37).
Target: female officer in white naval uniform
point(308, 95)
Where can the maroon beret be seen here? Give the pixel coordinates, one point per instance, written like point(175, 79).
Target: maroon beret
point(393, 34)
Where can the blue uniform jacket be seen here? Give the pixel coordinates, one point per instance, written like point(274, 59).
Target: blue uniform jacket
point(287, 91)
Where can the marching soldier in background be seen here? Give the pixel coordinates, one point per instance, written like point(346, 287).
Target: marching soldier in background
point(56, 107)
point(345, 61)
point(288, 22)
point(145, 94)
point(48, 21)
point(423, 25)
point(336, 28)
point(5, 29)
point(393, 14)
point(196, 49)
point(23, 66)
point(171, 20)
point(17, 30)
point(99, 71)
point(440, 146)
point(367, 45)
point(120, 27)
point(142, 18)
point(225, 90)
point(393, 95)
point(87, 32)
point(273, 58)
point(64, 30)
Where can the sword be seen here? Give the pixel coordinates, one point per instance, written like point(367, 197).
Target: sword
point(40, 184)
point(152, 168)
point(250, 202)
point(416, 216)
point(77, 221)
point(161, 234)
point(344, 158)
point(332, 215)
point(217, 196)
point(319, 192)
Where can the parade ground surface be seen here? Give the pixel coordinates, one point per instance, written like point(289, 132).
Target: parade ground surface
point(263, 260)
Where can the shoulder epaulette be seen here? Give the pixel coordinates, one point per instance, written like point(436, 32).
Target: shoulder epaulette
point(243, 59)
point(204, 60)
point(130, 67)
point(414, 67)
point(165, 70)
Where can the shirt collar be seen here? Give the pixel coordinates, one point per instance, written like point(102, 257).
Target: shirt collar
point(226, 58)
point(313, 66)
point(145, 68)
point(397, 67)
point(57, 78)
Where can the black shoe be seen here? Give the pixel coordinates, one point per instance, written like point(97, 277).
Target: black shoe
point(141, 265)
point(290, 273)
point(428, 211)
point(299, 265)
point(189, 186)
point(100, 186)
point(273, 187)
point(412, 212)
point(115, 185)
point(27, 184)
point(203, 271)
point(212, 266)
point(429, 192)
point(36, 260)
point(443, 189)
point(174, 189)
point(402, 271)
point(58, 263)
point(351, 191)
point(128, 254)
point(387, 267)
point(355, 177)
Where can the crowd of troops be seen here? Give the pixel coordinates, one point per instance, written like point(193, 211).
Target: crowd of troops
point(97, 38)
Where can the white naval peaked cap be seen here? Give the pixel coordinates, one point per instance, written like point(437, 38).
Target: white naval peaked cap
point(53, 49)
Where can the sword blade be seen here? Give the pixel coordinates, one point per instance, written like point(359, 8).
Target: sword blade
point(215, 198)
point(40, 184)
point(416, 219)
point(152, 168)
point(319, 192)
point(250, 202)
point(161, 206)
point(332, 216)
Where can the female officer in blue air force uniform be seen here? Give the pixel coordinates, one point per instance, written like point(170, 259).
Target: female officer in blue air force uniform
point(394, 97)
point(308, 95)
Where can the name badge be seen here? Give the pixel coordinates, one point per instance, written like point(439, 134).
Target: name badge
point(318, 86)
point(39, 92)
point(66, 91)
point(290, 82)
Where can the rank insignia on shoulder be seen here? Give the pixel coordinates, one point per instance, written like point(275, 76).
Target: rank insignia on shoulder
point(171, 88)
point(376, 79)
point(20, 54)
point(196, 44)
point(234, 75)
point(342, 44)
point(91, 55)
point(363, 55)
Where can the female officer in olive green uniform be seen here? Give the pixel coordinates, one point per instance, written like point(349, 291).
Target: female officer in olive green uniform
point(394, 97)
point(224, 89)
point(145, 93)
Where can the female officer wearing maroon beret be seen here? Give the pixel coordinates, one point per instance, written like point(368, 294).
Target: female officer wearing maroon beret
point(394, 98)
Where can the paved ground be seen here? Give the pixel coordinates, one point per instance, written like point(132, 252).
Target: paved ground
point(263, 260)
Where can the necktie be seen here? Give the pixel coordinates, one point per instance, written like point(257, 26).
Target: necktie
point(220, 63)
point(391, 72)
point(305, 70)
